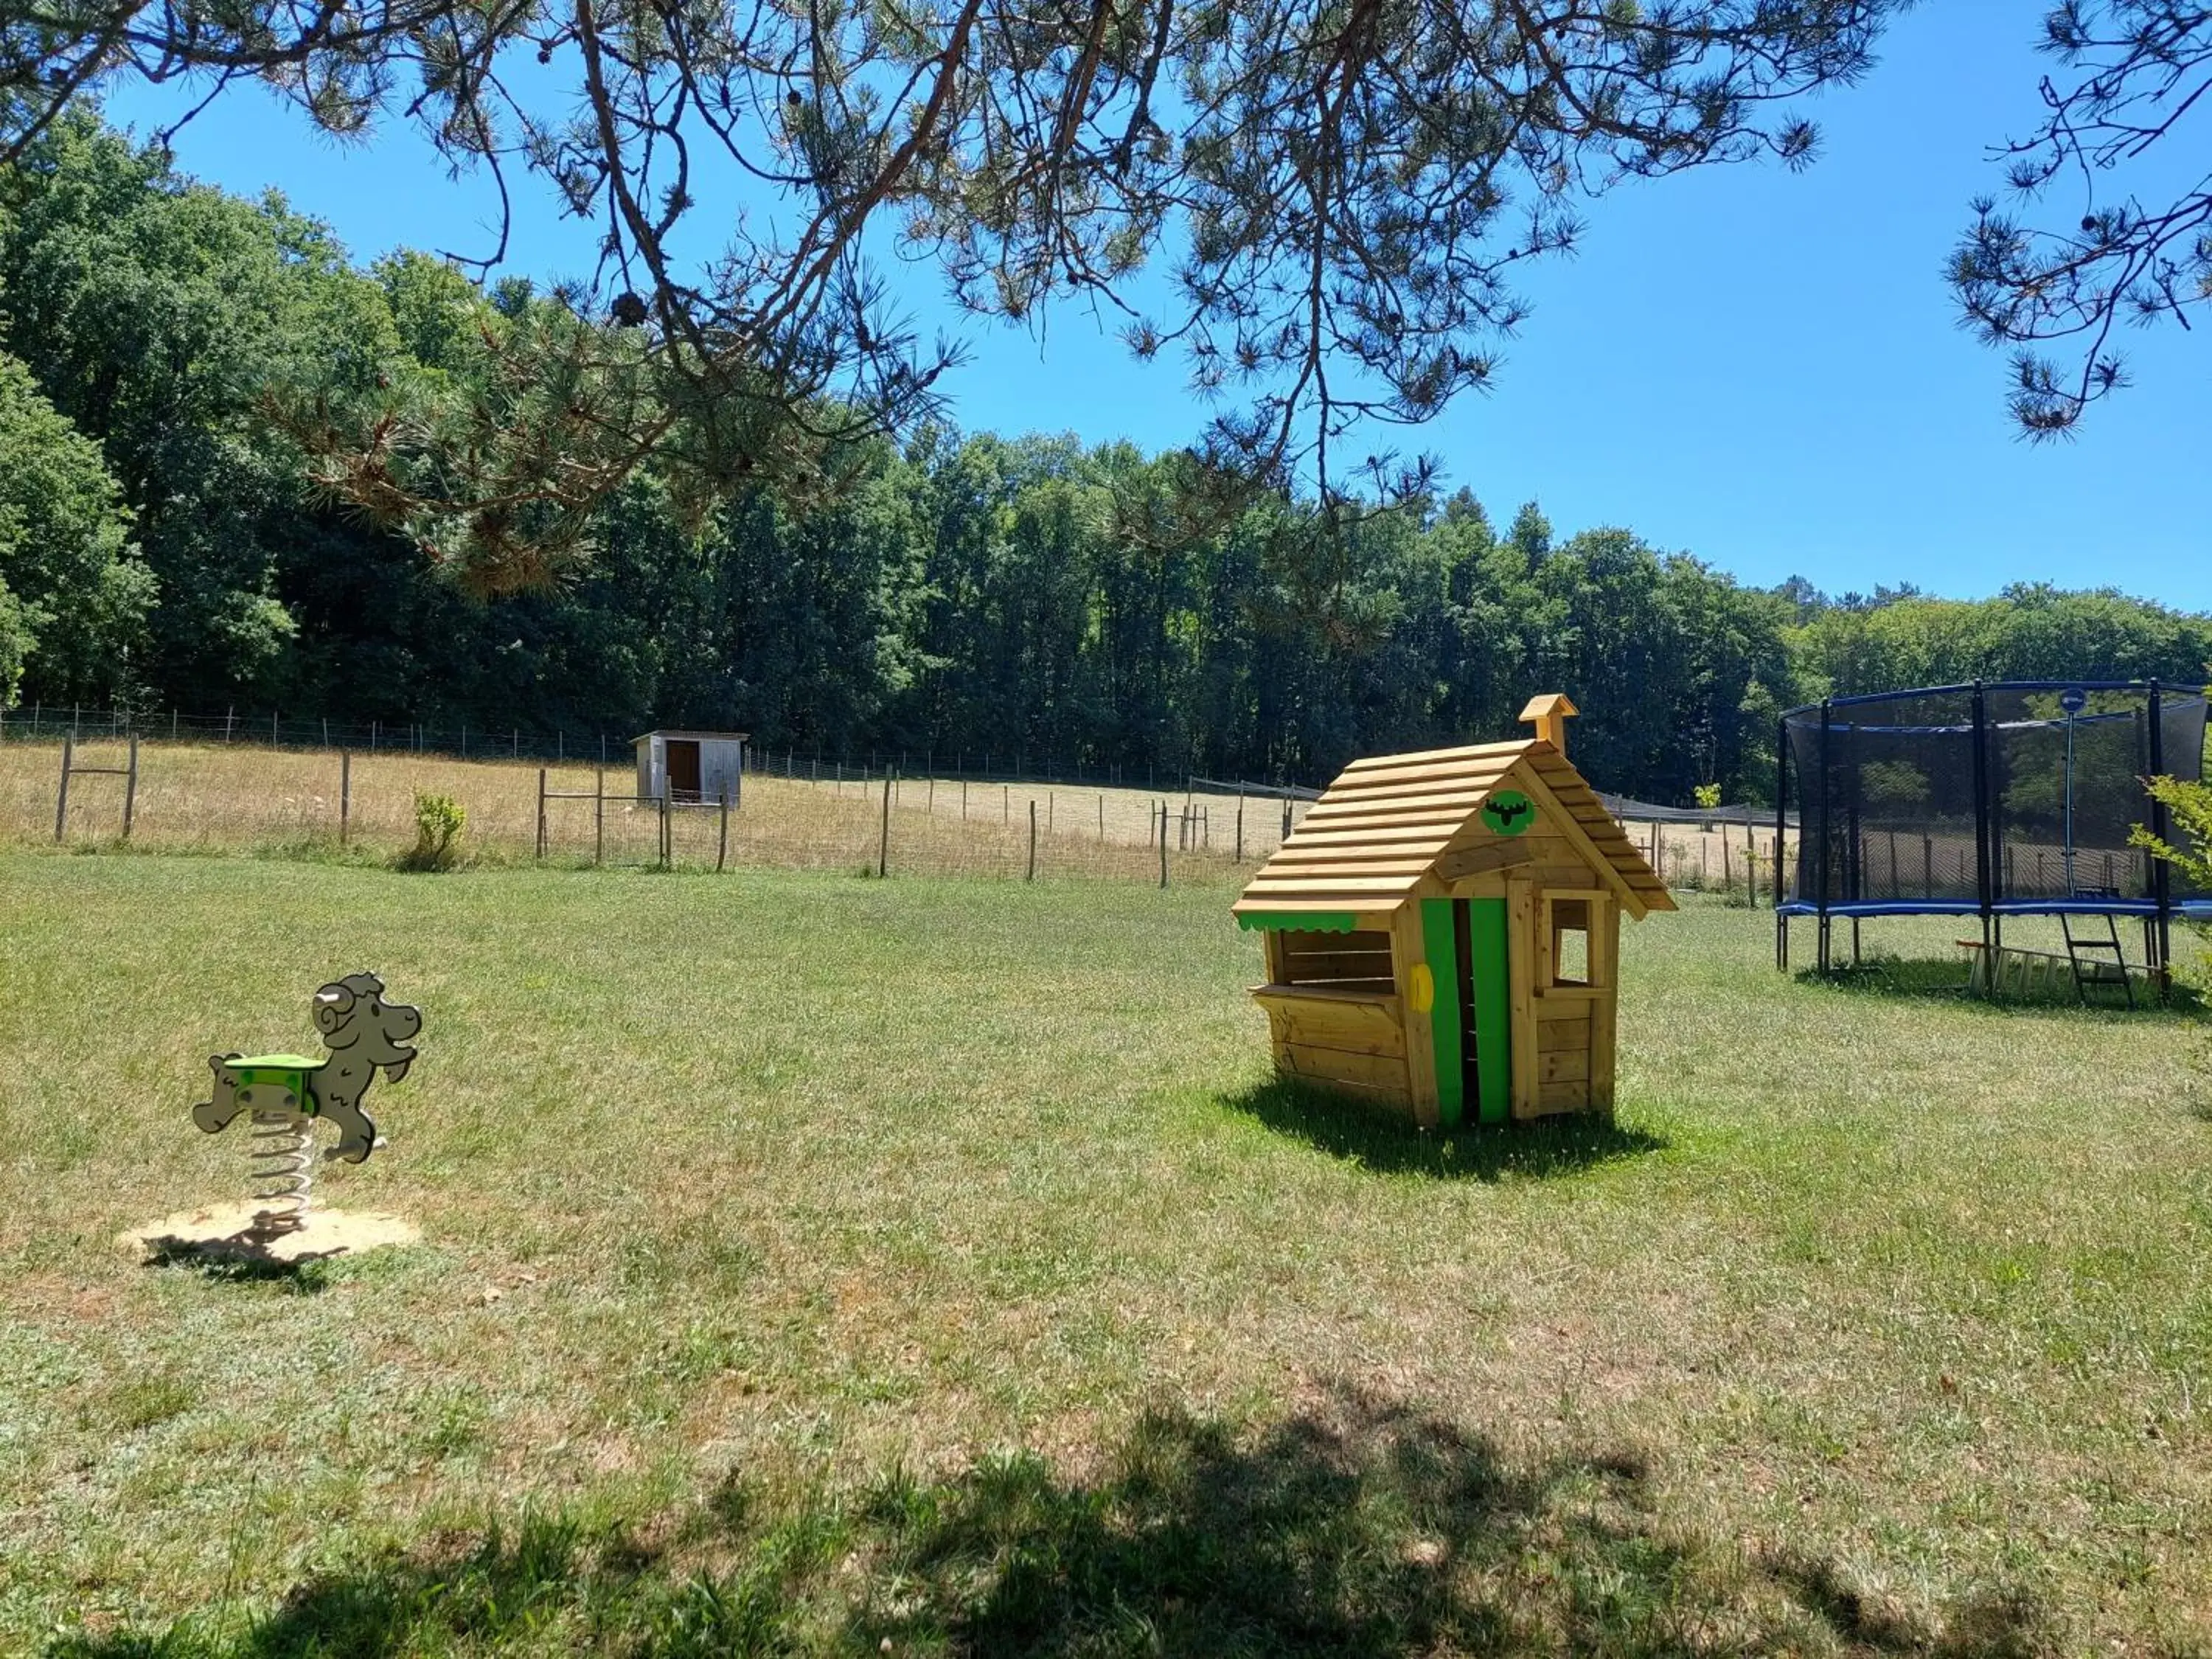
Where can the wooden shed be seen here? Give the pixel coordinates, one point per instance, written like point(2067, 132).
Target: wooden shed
point(1442, 932)
point(691, 766)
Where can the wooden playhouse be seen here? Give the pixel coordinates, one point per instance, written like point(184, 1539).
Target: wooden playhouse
point(1442, 932)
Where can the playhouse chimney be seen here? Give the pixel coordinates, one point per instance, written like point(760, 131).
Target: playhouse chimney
point(1549, 715)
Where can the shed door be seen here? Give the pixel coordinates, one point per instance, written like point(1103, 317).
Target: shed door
point(683, 768)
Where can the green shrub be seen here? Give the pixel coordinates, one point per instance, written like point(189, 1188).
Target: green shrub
point(438, 821)
point(1708, 795)
point(2189, 814)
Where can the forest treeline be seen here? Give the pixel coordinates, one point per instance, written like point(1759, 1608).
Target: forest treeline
point(1029, 598)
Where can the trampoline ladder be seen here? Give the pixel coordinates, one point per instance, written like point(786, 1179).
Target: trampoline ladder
point(2087, 956)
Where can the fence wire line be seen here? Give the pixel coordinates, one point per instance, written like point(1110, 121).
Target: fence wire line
point(363, 807)
point(486, 743)
point(562, 747)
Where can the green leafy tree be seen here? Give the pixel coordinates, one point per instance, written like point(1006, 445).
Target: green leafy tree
point(73, 593)
point(1342, 195)
point(162, 318)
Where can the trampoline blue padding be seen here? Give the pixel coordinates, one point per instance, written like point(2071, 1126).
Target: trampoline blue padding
point(2188, 910)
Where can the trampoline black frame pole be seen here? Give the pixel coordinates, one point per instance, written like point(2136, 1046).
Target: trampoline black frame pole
point(1826, 830)
point(1781, 828)
point(1981, 830)
point(2162, 872)
point(1854, 841)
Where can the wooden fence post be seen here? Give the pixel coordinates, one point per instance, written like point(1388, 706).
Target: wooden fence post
point(61, 801)
point(1031, 876)
point(345, 795)
point(884, 847)
point(1240, 826)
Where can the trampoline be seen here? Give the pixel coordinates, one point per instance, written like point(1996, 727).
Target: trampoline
point(1989, 800)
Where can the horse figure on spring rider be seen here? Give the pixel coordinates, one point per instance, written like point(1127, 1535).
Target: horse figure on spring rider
point(363, 1033)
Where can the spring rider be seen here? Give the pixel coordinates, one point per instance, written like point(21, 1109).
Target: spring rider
point(286, 1093)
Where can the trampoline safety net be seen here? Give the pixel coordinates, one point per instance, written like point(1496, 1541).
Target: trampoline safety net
point(1901, 795)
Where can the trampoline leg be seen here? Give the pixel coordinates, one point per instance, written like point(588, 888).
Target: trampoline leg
point(1855, 941)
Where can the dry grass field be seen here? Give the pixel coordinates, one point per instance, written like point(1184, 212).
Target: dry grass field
point(818, 1265)
point(203, 797)
point(243, 797)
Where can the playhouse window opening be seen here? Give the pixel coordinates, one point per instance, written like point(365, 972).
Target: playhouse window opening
point(1354, 960)
point(1570, 953)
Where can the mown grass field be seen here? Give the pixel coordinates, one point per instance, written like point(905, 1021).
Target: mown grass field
point(815, 1264)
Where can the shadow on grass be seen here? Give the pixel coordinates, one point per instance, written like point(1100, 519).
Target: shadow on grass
point(1392, 1145)
point(1945, 979)
point(306, 1274)
point(1354, 1528)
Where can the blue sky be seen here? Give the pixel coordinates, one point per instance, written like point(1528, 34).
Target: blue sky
point(1759, 367)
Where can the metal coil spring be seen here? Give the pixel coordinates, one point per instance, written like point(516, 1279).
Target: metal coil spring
point(282, 1152)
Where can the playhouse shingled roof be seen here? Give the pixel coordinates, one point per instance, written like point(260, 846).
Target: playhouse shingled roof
point(1366, 844)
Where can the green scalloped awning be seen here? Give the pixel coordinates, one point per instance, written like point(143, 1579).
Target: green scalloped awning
point(1304, 921)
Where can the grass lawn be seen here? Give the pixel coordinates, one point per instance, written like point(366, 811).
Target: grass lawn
point(819, 1264)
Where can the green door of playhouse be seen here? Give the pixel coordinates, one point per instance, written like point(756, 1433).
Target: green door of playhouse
point(1464, 943)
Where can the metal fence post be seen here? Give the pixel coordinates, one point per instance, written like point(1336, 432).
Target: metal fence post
point(345, 795)
point(1163, 845)
point(131, 789)
point(541, 812)
point(1031, 876)
point(599, 819)
point(722, 844)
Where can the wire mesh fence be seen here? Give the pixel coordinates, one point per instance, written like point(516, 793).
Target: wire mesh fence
point(197, 796)
point(41, 722)
point(267, 782)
